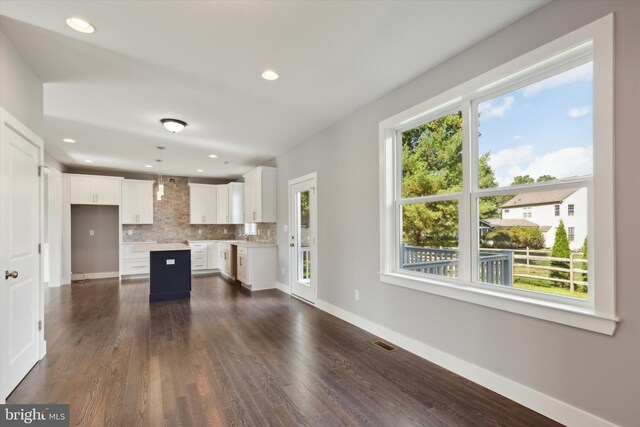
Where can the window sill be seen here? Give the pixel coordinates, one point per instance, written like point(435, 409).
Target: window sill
point(577, 317)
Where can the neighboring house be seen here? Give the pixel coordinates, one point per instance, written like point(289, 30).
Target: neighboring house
point(546, 209)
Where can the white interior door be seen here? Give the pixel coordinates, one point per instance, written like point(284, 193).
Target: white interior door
point(19, 258)
point(303, 220)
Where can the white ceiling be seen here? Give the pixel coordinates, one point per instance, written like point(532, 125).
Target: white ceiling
point(200, 61)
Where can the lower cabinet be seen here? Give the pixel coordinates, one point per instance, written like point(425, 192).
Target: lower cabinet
point(199, 256)
point(133, 262)
point(256, 266)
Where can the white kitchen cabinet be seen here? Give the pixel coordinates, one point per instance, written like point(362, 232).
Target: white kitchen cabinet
point(203, 202)
point(199, 256)
point(137, 201)
point(256, 266)
point(231, 203)
point(236, 203)
point(134, 262)
point(212, 255)
point(260, 195)
point(94, 190)
point(223, 204)
point(226, 260)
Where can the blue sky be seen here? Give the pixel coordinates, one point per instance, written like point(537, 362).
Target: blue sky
point(543, 128)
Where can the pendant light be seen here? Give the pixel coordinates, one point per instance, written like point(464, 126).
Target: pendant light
point(160, 192)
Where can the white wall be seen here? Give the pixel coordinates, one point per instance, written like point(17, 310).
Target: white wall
point(20, 87)
point(594, 372)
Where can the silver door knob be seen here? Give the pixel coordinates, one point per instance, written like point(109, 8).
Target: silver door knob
point(12, 274)
point(292, 245)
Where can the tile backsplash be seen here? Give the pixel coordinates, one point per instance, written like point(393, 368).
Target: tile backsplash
point(171, 221)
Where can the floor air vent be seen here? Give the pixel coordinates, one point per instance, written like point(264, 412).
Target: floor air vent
point(383, 345)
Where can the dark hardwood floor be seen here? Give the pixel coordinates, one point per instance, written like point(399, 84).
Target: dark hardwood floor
point(228, 358)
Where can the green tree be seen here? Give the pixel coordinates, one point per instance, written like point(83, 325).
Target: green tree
point(560, 250)
point(432, 164)
point(517, 237)
point(546, 178)
point(523, 179)
point(585, 254)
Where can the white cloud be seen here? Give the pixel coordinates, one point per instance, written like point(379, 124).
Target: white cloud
point(517, 136)
point(576, 112)
point(511, 156)
point(583, 73)
point(492, 108)
point(564, 163)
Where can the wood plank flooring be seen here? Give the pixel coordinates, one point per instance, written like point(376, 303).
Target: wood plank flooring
point(228, 358)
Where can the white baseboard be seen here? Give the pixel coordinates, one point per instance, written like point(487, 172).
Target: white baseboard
point(284, 288)
point(105, 275)
point(533, 399)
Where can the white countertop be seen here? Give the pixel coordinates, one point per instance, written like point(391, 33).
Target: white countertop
point(154, 247)
point(242, 243)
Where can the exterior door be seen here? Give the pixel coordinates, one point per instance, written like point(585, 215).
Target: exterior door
point(303, 238)
point(19, 257)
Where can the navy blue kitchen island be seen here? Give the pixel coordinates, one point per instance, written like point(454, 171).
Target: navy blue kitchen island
point(170, 271)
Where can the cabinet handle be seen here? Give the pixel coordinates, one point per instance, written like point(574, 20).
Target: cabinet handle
point(240, 261)
point(96, 198)
point(254, 215)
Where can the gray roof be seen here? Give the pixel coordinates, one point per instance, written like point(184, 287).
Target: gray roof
point(502, 223)
point(539, 198)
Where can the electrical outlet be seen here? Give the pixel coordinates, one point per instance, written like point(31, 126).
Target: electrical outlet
point(286, 228)
point(199, 231)
point(283, 271)
point(130, 232)
point(225, 231)
point(92, 233)
point(357, 295)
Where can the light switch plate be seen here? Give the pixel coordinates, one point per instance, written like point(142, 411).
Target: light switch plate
point(171, 262)
point(92, 233)
point(130, 232)
point(286, 228)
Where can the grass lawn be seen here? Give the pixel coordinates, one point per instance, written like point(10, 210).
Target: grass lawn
point(548, 289)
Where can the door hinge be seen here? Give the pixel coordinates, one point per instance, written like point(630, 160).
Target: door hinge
point(39, 170)
point(39, 325)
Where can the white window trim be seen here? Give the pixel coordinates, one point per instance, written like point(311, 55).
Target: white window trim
point(598, 314)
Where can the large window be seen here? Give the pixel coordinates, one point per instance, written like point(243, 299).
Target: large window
point(473, 181)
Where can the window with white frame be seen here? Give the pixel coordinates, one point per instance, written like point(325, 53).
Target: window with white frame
point(570, 210)
point(571, 233)
point(521, 136)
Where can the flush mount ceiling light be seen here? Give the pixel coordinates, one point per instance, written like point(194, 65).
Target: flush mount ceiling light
point(199, 170)
point(88, 161)
point(213, 156)
point(148, 166)
point(80, 25)
point(173, 125)
point(270, 75)
point(69, 140)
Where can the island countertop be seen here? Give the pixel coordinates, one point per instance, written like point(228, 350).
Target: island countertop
point(154, 247)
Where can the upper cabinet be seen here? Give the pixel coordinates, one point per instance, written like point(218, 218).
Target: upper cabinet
point(94, 190)
point(231, 203)
point(260, 195)
point(137, 201)
point(203, 202)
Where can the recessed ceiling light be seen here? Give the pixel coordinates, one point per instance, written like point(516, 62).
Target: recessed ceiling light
point(270, 75)
point(173, 125)
point(88, 161)
point(69, 140)
point(80, 25)
point(199, 170)
point(148, 166)
point(213, 156)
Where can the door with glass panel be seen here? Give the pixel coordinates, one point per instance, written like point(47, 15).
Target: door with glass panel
point(302, 238)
